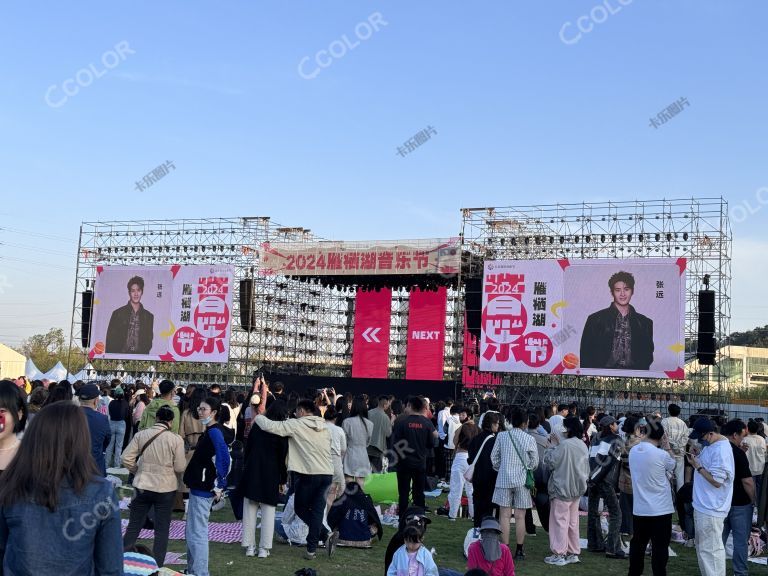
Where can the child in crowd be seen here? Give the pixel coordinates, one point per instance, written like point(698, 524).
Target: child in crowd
point(412, 558)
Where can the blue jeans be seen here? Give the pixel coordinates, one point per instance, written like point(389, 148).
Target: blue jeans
point(739, 522)
point(115, 448)
point(198, 512)
point(309, 504)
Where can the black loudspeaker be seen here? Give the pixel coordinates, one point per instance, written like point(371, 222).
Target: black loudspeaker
point(247, 312)
point(85, 322)
point(705, 347)
point(473, 305)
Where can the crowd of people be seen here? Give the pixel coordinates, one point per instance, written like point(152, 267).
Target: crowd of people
point(193, 449)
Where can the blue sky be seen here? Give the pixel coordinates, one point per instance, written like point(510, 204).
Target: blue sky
point(521, 117)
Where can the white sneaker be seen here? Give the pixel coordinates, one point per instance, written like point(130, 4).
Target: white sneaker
point(250, 551)
point(690, 543)
point(263, 553)
point(572, 559)
point(556, 560)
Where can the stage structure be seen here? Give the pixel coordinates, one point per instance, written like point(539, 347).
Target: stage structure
point(287, 321)
point(695, 229)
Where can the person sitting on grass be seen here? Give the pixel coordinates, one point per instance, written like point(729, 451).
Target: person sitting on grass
point(414, 516)
point(488, 553)
point(355, 518)
point(412, 558)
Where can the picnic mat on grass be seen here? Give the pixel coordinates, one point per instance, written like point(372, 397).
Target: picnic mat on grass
point(225, 532)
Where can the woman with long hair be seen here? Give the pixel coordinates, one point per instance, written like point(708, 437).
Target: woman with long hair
point(359, 430)
point(206, 476)
point(118, 410)
point(57, 515)
point(264, 474)
point(13, 418)
point(484, 476)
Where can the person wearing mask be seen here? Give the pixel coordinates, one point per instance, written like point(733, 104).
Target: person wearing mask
point(382, 430)
point(309, 458)
point(118, 411)
point(13, 415)
point(514, 453)
point(149, 416)
point(652, 505)
point(359, 431)
point(206, 476)
point(605, 460)
point(739, 519)
point(154, 456)
point(756, 449)
point(462, 440)
point(98, 424)
point(411, 436)
point(264, 477)
point(712, 493)
point(488, 553)
point(677, 434)
point(567, 461)
point(68, 524)
point(484, 476)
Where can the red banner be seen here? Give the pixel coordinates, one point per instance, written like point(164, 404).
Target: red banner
point(370, 351)
point(426, 334)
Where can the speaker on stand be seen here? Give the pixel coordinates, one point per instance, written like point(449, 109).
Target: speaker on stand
point(706, 348)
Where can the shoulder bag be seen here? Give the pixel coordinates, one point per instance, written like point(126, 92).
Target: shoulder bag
point(470, 471)
point(143, 448)
point(530, 481)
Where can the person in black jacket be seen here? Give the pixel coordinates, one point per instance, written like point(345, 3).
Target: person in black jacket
point(618, 337)
point(355, 518)
point(484, 477)
point(605, 461)
point(264, 474)
point(130, 327)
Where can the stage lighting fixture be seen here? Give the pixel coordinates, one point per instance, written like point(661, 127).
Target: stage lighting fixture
point(602, 237)
point(629, 237)
point(501, 240)
point(640, 237)
point(551, 239)
point(513, 241)
point(527, 240)
point(658, 236)
point(587, 239)
point(685, 235)
point(562, 240)
point(576, 239)
point(537, 239)
point(669, 237)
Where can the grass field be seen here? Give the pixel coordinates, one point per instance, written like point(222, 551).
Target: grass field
point(446, 537)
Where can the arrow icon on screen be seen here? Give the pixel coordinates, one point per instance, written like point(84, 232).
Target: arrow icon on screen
point(370, 334)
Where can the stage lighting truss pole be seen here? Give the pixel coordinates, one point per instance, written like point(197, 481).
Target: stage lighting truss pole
point(697, 229)
point(74, 300)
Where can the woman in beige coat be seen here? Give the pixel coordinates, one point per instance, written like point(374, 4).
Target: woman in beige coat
point(155, 455)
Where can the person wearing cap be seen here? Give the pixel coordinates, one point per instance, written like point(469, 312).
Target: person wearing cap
point(149, 415)
point(489, 553)
point(118, 412)
point(568, 464)
point(714, 472)
point(98, 424)
point(605, 460)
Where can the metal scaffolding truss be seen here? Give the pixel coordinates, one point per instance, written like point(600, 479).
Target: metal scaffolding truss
point(298, 325)
point(695, 228)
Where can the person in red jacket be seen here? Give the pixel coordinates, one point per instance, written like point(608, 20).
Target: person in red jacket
point(488, 553)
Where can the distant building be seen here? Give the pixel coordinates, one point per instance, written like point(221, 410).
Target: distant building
point(741, 367)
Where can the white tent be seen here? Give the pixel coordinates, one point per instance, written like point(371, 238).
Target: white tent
point(56, 373)
point(31, 371)
point(87, 373)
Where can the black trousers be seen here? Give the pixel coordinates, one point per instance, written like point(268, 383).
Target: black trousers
point(309, 503)
point(440, 460)
point(657, 530)
point(407, 478)
point(482, 497)
point(140, 507)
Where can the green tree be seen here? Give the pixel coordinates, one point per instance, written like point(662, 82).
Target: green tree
point(47, 349)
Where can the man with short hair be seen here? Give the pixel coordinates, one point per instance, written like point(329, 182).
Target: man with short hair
point(618, 337)
point(309, 458)
point(556, 420)
point(215, 390)
point(739, 519)
point(712, 494)
point(130, 328)
point(382, 429)
point(165, 399)
point(677, 434)
point(411, 437)
point(98, 424)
